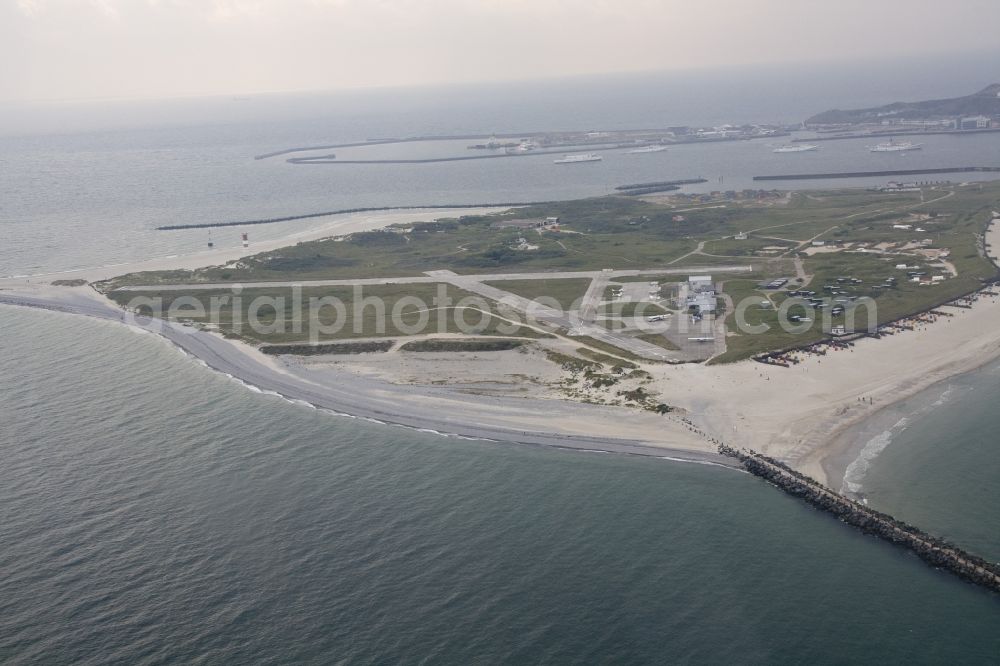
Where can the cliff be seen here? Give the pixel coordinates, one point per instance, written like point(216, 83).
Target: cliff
point(985, 102)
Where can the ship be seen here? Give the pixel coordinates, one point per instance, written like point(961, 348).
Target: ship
point(796, 148)
point(892, 147)
point(575, 159)
point(648, 149)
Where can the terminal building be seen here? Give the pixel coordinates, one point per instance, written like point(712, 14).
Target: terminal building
point(974, 122)
point(701, 294)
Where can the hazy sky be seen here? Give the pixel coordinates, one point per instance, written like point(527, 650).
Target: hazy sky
point(67, 49)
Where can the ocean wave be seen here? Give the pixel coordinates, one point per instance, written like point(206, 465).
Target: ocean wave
point(300, 403)
point(303, 403)
point(946, 395)
point(332, 412)
point(141, 331)
point(856, 472)
point(858, 469)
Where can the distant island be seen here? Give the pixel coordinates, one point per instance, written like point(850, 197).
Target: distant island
point(976, 111)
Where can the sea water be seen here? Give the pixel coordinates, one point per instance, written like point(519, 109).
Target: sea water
point(934, 461)
point(87, 183)
point(152, 511)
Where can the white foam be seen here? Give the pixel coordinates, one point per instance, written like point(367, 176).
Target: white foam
point(855, 473)
point(858, 469)
point(141, 331)
point(692, 461)
point(301, 403)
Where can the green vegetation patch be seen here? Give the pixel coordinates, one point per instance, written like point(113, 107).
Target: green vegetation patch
point(446, 345)
point(569, 362)
point(629, 233)
point(368, 347)
point(565, 291)
point(659, 340)
point(279, 315)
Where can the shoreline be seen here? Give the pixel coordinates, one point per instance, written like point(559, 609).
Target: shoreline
point(379, 402)
point(848, 444)
point(341, 224)
point(825, 448)
point(813, 420)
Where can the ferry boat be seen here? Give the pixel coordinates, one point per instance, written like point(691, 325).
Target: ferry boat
point(648, 149)
point(892, 147)
point(575, 159)
point(796, 148)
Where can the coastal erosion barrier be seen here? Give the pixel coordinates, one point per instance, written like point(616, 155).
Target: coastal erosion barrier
point(378, 142)
point(933, 550)
point(630, 190)
point(382, 141)
point(638, 189)
point(345, 211)
point(875, 174)
point(558, 150)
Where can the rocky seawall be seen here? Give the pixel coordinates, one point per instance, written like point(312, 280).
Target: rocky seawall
point(936, 551)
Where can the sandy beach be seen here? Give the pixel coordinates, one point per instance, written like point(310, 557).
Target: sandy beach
point(556, 423)
point(802, 414)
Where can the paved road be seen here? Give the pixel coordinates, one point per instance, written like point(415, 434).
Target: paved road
point(570, 321)
point(592, 299)
point(578, 324)
point(439, 276)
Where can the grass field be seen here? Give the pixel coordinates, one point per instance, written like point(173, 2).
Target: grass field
point(566, 291)
point(630, 233)
point(658, 340)
point(374, 311)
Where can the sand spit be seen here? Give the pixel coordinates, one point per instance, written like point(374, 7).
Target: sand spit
point(803, 414)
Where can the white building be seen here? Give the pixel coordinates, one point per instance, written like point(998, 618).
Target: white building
point(974, 122)
point(700, 283)
point(705, 302)
point(701, 294)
